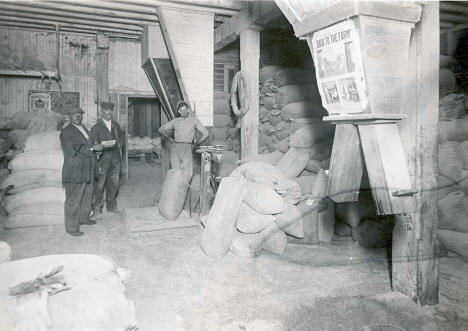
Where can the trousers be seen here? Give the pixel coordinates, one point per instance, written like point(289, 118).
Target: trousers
point(78, 199)
point(108, 180)
point(182, 158)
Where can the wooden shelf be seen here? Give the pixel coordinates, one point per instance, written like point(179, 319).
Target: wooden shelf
point(29, 73)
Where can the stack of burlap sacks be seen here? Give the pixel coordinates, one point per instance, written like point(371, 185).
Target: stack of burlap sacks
point(265, 199)
point(453, 166)
point(289, 100)
point(24, 124)
point(145, 144)
point(95, 301)
point(37, 197)
point(290, 103)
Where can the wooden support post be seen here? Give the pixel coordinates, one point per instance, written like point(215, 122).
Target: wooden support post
point(102, 67)
point(387, 168)
point(415, 265)
point(250, 57)
point(346, 166)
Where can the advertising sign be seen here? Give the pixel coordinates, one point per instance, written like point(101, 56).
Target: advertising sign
point(338, 67)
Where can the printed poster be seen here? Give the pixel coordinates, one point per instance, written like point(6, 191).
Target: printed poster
point(39, 101)
point(56, 101)
point(338, 65)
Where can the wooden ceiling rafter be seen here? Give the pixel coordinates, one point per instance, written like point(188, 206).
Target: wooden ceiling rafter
point(14, 8)
point(122, 17)
point(51, 19)
point(76, 27)
point(84, 8)
point(229, 8)
point(63, 28)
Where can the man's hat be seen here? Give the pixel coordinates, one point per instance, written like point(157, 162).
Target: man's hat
point(75, 110)
point(107, 105)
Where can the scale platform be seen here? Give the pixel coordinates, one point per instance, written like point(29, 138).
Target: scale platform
point(147, 223)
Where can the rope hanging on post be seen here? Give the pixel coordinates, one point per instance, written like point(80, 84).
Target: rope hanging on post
point(240, 91)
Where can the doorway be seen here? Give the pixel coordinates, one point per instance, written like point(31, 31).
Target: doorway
point(144, 117)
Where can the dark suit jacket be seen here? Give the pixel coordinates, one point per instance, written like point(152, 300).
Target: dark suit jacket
point(99, 133)
point(78, 163)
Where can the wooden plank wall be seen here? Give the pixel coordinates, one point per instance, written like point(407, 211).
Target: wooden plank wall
point(27, 48)
point(34, 49)
point(190, 39)
point(224, 60)
point(24, 48)
point(125, 72)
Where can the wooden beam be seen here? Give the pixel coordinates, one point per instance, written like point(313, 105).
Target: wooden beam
point(215, 7)
point(29, 73)
point(225, 34)
point(346, 165)
point(415, 268)
point(102, 66)
point(43, 27)
point(446, 25)
point(312, 16)
point(112, 5)
point(453, 7)
point(81, 27)
point(56, 19)
point(90, 15)
point(257, 14)
point(452, 18)
point(146, 15)
point(250, 65)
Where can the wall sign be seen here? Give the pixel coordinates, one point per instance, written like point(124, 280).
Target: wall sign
point(56, 101)
point(39, 101)
point(338, 67)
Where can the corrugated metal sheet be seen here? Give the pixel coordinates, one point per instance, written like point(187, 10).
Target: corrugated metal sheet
point(27, 49)
point(125, 72)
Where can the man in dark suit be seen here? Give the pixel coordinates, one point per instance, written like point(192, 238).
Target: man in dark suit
point(77, 172)
point(108, 132)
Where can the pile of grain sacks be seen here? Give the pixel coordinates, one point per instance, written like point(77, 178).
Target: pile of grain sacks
point(95, 301)
point(25, 124)
point(145, 144)
point(38, 196)
point(289, 100)
point(264, 200)
point(453, 166)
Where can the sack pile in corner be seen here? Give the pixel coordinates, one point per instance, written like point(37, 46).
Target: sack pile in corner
point(38, 196)
point(260, 203)
point(453, 166)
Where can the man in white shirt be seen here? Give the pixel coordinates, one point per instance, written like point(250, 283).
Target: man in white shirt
point(182, 134)
point(110, 162)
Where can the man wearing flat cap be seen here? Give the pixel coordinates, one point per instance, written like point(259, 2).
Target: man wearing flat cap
point(107, 132)
point(77, 172)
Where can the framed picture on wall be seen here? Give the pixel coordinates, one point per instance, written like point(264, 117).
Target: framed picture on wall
point(56, 101)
